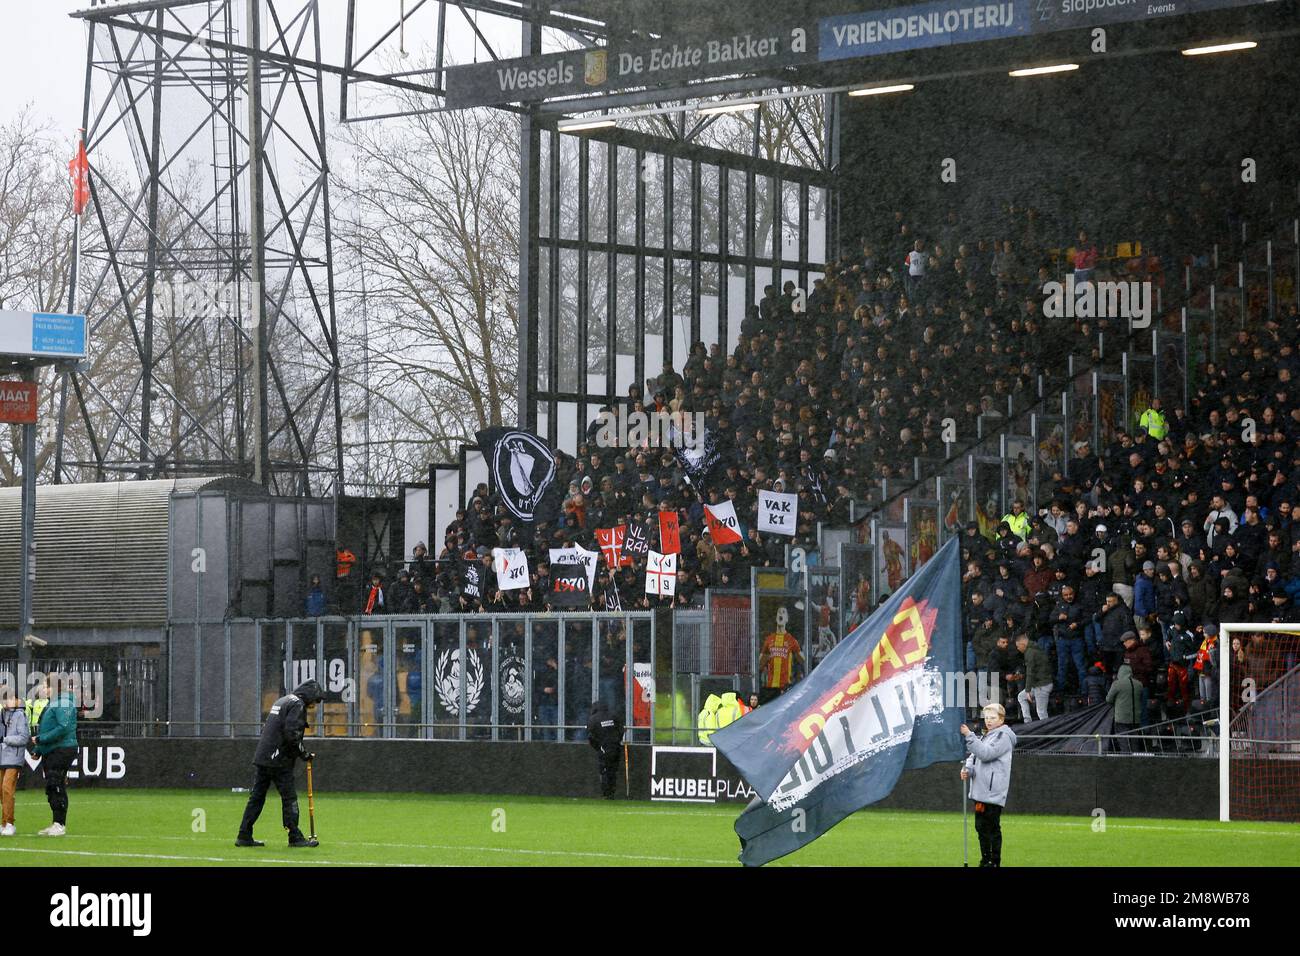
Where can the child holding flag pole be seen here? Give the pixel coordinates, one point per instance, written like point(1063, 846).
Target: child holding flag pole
point(988, 767)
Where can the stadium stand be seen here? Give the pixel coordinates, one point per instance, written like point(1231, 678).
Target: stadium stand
point(830, 395)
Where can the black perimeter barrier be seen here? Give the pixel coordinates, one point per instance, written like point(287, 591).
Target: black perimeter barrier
point(1073, 785)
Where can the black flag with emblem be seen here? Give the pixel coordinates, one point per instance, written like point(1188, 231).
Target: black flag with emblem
point(523, 470)
point(472, 580)
point(698, 462)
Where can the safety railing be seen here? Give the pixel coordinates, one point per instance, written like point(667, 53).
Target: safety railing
point(442, 676)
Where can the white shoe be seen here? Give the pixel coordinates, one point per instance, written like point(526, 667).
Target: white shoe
point(54, 829)
point(8, 830)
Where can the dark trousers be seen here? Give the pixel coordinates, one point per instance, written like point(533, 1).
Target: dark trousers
point(263, 777)
point(607, 760)
point(55, 766)
point(988, 824)
point(1069, 649)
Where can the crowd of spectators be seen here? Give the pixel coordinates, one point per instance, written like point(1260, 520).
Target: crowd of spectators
point(826, 394)
point(1139, 549)
point(1145, 546)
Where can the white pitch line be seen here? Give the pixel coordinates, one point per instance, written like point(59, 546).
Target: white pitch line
point(425, 846)
point(196, 859)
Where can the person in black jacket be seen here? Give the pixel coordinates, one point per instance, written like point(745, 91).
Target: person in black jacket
point(1068, 623)
point(1116, 621)
point(280, 747)
point(605, 733)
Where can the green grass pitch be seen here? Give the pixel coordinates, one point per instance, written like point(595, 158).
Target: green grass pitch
point(197, 828)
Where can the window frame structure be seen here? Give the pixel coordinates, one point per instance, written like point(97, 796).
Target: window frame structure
point(558, 402)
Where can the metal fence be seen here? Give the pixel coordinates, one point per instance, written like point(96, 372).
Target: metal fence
point(444, 677)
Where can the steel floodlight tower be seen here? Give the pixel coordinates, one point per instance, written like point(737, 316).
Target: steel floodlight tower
point(208, 271)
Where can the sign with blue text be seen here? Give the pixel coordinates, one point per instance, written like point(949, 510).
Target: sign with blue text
point(42, 335)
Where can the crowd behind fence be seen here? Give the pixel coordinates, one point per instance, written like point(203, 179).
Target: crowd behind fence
point(443, 677)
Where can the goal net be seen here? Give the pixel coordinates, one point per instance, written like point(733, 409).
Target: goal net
point(1259, 721)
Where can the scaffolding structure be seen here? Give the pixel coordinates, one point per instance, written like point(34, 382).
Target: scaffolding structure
point(207, 269)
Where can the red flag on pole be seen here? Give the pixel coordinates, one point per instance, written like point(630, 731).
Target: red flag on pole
point(669, 541)
point(721, 522)
point(611, 546)
point(79, 169)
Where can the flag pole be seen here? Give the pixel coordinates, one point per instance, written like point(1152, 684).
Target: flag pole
point(73, 293)
point(965, 832)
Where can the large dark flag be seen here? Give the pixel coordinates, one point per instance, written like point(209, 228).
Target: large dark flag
point(569, 586)
point(522, 467)
point(839, 739)
point(699, 460)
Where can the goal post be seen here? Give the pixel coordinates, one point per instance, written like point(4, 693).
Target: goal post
point(1259, 722)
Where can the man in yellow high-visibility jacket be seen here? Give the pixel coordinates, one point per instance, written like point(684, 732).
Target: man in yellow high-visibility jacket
point(1018, 520)
point(707, 721)
point(730, 710)
point(1153, 421)
point(718, 712)
point(33, 708)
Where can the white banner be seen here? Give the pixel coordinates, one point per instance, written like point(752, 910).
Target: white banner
point(661, 574)
point(778, 513)
point(511, 568)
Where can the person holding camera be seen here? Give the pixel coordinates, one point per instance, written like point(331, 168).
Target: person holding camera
point(988, 767)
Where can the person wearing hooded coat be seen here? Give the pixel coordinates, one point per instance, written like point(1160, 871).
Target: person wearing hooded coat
point(277, 751)
point(1125, 699)
point(605, 734)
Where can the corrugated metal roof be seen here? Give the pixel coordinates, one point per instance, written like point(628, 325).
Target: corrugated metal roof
point(101, 551)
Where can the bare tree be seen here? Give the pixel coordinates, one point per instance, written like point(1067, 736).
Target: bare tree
point(427, 219)
point(35, 249)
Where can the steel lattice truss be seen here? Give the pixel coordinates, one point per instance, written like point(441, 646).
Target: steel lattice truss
point(207, 269)
point(206, 265)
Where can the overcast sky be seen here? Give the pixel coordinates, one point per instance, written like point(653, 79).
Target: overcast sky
point(43, 50)
point(43, 61)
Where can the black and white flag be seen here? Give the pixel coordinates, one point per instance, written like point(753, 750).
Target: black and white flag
point(473, 580)
point(612, 601)
point(580, 555)
point(637, 541)
point(523, 471)
point(698, 461)
point(511, 568)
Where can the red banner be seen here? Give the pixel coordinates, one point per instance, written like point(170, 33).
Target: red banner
point(79, 170)
point(611, 546)
point(18, 403)
point(669, 540)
